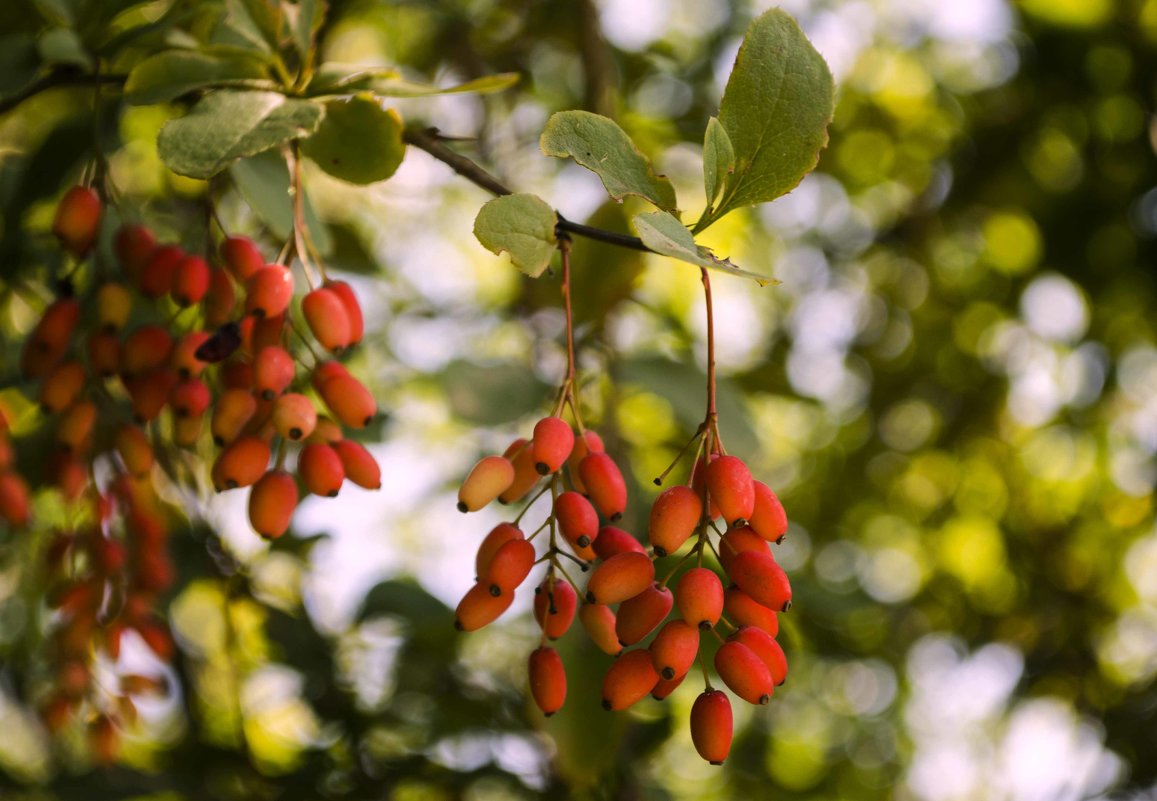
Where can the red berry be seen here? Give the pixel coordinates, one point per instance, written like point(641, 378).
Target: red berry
point(104, 354)
point(604, 483)
point(738, 540)
point(145, 349)
point(350, 401)
point(320, 469)
point(269, 291)
point(525, 476)
point(294, 416)
point(599, 622)
point(150, 392)
point(675, 515)
point(641, 614)
point(674, 648)
point(156, 279)
point(554, 607)
point(711, 726)
point(629, 679)
point(612, 540)
point(327, 318)
point(547, 679)
point(622, 576)
point(488, 479)
point(768, 519)
point(589, 442)
point(730, 485)
point(242, 257)
point(510, 566)
point(699, 596)
point(75, 429)
point(578, 521)
point(352, 308)
point(744, 672)
point(220, 299)
point(360, 465)
point(50, 339)
point(273, 371)
point(133, 245)
point(77, 220)
point(191, 281)
point(184, 359)
point(271, 503)
point(62, 386)
point(190, 398)
point(498, 536)
point(479, 608)
point(242, 463)
point(665, 687)
point(766, 648)
point(232, 411)
point(15, 502)
point(742, 610)
point(758, 575)
point(134, 449)
point(551, 445)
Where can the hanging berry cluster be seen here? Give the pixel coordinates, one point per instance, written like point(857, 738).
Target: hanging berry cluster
point(127, 363)
point(623, 605)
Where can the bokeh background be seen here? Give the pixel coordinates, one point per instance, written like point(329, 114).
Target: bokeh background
point(953, 390)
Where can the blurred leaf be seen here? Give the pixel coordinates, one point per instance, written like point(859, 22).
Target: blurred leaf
point(19, 62)
point(168, 75)
point(358, 141)
point(665, 235)
point(488, 84)
point(61, 12)
point(264, 182)
point(304, 18)
point(718, 159)
point(601, 146)
point(522, 225)
point(63, 46)
point(258, 20)
point(228, 125)
point(349, 251)
point(331, 79)
point(493, 393)
point(775, 109)
point(405, 599)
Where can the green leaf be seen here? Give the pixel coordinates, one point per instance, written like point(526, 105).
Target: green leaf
point(19, 62)
point(601, 146)
point(405, 599)
point(63, 46)
point(776, 109)
point(522, 225)
point(170, 74)
point(665, 235)
point(491, 394)
point(400, 87)
point(358, 141)
point(259, 21)
point(332, 79)
point(718, 159)
point(227, 125)
point(263, 181)
point(304, 18)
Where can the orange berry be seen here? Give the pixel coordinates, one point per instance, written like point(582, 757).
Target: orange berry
point(326, 316)
point(525, 476)
point(360, 465)
point(15, 503)
point(498, 536)
point(629, 679)
point(664, 687)
point(133, 245)
point(184, 358)
point(294, 416)
point(187, 430)
point(578, 521)
point(190, 281)
point(114, 302)
point(589, 442)
point(768, 519)
point(241, 256)
point(156, 279)
point(242, 463)
point(711, 726)
point(738, 540)
point(220, 298)
point(62, 386)
point(257, 333)
point(75, 429)
point(271, 503)
point(612, 540)
point(510, 566)
point(547, 679)
point(104, 354)
point(479, 608)
point(674, 649)
point(599, 622)
point(77, 220)
point(321, 469)
point(327, 431)
point(269, 291)
point(675, 515)
point(551, 445)
point(232, 411)
point(604, 483)
point(699, 597)
point(51, 337)
point(273, 371)
point(758, 575)
point(352, 308)
point(766, 648)
point(699, 484)
point(149, 393)
point(145, 349)
point(350, 401)
point(132, 444)
point(730, 485)
point(641, 614)
point(190, 398)
point(742, 610)
point(325, 372)
point(623, 576)
point(488, 479)
point(744, 672)
point(554, 607)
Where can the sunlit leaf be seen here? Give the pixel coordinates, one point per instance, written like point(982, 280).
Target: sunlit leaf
point(399, 87)
point(521, 225)
point(358, 141)
point(667, 236)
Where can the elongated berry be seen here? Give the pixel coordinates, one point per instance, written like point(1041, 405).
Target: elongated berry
point(622, 576)
point(699, 484)
point(641, 614)
point(237, 374)
point(766, 648)
point(730, 485)
point(191, 281)
point(612, 540)
point(220, 298)
point(525, 476)
point(578, 521)
point(320, 469)
point(104, 354)
point(350, 401)
point(588, 442)
point(75, 429)
point(187, 430)
point(664, 687)
point(69, 474)
point(49, 340)
point(738, 540)
point(488, 479)
point(114, 302)
point(479, 608)
point(554, 607)
point(711, 726)
point(242, 257)
point(190, 398)
point(551, 445)
point(183, 357)
point(269, 291)
point(133, 245)
point(258, 333)
point(509, 567)
point(604, 484)
point(628, 680)
point(353, 309)
point(599, 622)
point(150, 392)
point(294, 416)
point(327, 431)
point(360, 465)
point(77, 220)
point(62, 386)
point(547, 679)
point(15, 501)
point(674, 648)
point(768, 519)
point(273, 371)
point(675, 515)
point(156, 279)
point(758, 575)
point(744, 672)
point(232, 411)
point(145, 349)
point(134, 449)
point(699, 597)
point(271, 503)
point(498, 536)
point(242, 463)
point(326, 316)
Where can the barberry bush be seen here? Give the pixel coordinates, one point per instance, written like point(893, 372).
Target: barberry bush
point(456, 399)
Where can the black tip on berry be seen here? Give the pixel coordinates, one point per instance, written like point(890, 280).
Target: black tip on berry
point(606, 705)
point(739, 522)
point(495, 590)
point(542, 468)
point(781, 538)
point(368, 420)
point(668, 673)
point(268, 394)
point(585, 566)
point(462, 507)
point(591, 598)
point(547, 714)
point(659, 552)
point(458, 625)
point(616, 517)
point(231, 484)
point(720, 762)
point(584, 541)
point(782, 682)
point(787, 606)
point(333, 493)
point(764, 699)
point(658, 482)
point(705, 625)
point(295, 433)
